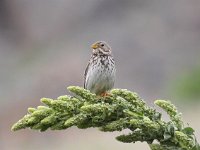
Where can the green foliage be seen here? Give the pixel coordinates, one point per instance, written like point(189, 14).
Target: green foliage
point(187, 85)
point(122, 109)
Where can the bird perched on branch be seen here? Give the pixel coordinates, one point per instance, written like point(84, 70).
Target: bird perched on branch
point(99, 75)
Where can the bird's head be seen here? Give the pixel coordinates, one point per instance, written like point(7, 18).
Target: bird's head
point(101, 48)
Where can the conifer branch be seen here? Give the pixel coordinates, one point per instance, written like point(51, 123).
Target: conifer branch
point(122, 109)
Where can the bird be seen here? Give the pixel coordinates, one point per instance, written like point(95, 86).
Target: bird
point(99, 75)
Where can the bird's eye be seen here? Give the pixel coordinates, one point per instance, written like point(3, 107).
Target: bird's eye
point(102, 45)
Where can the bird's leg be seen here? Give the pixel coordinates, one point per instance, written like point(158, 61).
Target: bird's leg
point(104, 94)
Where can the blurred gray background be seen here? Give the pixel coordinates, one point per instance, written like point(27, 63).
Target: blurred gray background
point(45, 46)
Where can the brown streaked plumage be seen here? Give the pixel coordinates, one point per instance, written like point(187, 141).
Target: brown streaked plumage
point(99, 75)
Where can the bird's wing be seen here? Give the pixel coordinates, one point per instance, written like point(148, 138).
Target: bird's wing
point(85, 74)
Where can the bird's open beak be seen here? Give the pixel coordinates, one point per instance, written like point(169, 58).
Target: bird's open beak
point(94, 46)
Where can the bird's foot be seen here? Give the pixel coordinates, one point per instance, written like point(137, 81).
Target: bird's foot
point(104, 94)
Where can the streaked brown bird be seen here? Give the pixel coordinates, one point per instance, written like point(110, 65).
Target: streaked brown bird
point(99, 75)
